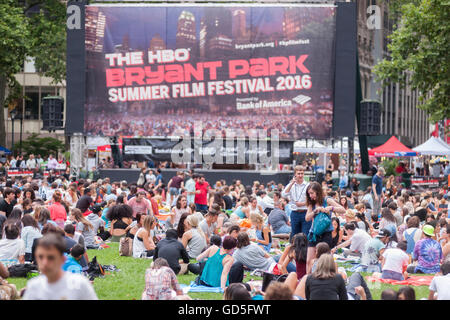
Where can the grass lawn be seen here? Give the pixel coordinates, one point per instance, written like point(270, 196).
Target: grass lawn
point(128, 283)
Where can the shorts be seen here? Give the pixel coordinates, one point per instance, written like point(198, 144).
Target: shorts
point(324, 237)
point(174, 191)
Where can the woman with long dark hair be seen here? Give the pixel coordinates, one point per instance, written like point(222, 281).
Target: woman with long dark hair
point(180, 228)
point(180, 208)
point(298, 252)
point(337, 233)
point(121, 217)
point(316, 203)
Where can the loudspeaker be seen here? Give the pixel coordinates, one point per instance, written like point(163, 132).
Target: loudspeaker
point(370, 120)
point(52, 113)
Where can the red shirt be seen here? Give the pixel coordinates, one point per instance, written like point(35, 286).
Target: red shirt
point(202, 197)
point(154, 206)
point(57, 212)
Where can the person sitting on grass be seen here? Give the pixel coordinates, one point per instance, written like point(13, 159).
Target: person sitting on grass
point(389, 294)
point(406, 293)
point(54, 283)
point(427, 252)
point(440, 285)
point(394, 262)
point(253, 257)
point(237, 291)
point(278, 291)
point(8, 291)
point(72, 263)
point(325, 283)
point(218, 263)
point(172, 250)
point(263, 234)
point(161, 283)
point(12, 248)
point(193, 238)
point(143, 245)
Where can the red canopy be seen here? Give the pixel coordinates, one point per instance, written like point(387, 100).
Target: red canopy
point(392, 148)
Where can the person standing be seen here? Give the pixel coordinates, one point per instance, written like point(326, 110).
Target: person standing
point(295, 191)
point(54, 283)
point(201, 194)
point(190, 187)
point(52, 163)
point(377, 190)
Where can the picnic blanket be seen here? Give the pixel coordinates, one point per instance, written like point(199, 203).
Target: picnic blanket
point(411, 281)
point(198, 288)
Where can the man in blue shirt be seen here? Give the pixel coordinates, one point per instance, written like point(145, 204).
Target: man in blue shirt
point(159, 178)
point(343, 180)
point(377, 190)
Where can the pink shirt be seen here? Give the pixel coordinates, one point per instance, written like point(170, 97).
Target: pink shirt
point(57, 212)
point(140, 207)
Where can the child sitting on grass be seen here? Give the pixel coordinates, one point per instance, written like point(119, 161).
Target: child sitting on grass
point(72, 263)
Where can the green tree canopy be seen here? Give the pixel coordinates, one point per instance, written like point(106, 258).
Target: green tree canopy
point(420, 46)
point(30, 28)
point(43, 146)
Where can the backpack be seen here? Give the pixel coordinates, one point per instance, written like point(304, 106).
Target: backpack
point(95, 269)
point(321, 224)
point(126, 247)
point(22, 270)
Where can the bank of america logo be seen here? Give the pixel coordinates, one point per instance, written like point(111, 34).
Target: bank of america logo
point(301, 99)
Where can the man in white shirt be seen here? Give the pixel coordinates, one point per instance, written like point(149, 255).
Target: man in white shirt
point(54, 283)
point(295, 191)
point(31, 162)
point(357, 241)
point(440, 285)
point(52, 163)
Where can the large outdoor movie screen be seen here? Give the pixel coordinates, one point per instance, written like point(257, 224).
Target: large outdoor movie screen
point(157, 70)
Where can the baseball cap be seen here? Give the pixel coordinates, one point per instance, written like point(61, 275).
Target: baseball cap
point(428, 230)
point(348, 193)
point(383, 233)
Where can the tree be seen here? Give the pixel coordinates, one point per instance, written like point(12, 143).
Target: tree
point(43, 146)
point(420, 47)
point(29, 28)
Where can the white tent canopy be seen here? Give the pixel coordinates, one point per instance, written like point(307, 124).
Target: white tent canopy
point(312, 146)
point(433, 147)
point(344, 144)
point(316, 147)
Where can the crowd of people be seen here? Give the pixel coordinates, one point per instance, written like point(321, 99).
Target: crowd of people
point(294, 233)
point(164, 125)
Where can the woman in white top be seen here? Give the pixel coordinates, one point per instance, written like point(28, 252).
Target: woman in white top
point(193, 239)
point(143, 245)
point(71, 197)
point(177, 211)
point(256, 208)
point(30, 231)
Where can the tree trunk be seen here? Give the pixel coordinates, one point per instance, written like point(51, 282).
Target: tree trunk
point(2, 111)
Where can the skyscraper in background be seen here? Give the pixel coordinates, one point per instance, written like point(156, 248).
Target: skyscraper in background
point(95, 29)
point(240, 32)
point(157, 43)
point(186, 32)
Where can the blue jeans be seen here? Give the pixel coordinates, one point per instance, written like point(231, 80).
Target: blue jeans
point(299, 224)
point(388, 274)
point(283, 229)
point(201, 207)
point(290, 267)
